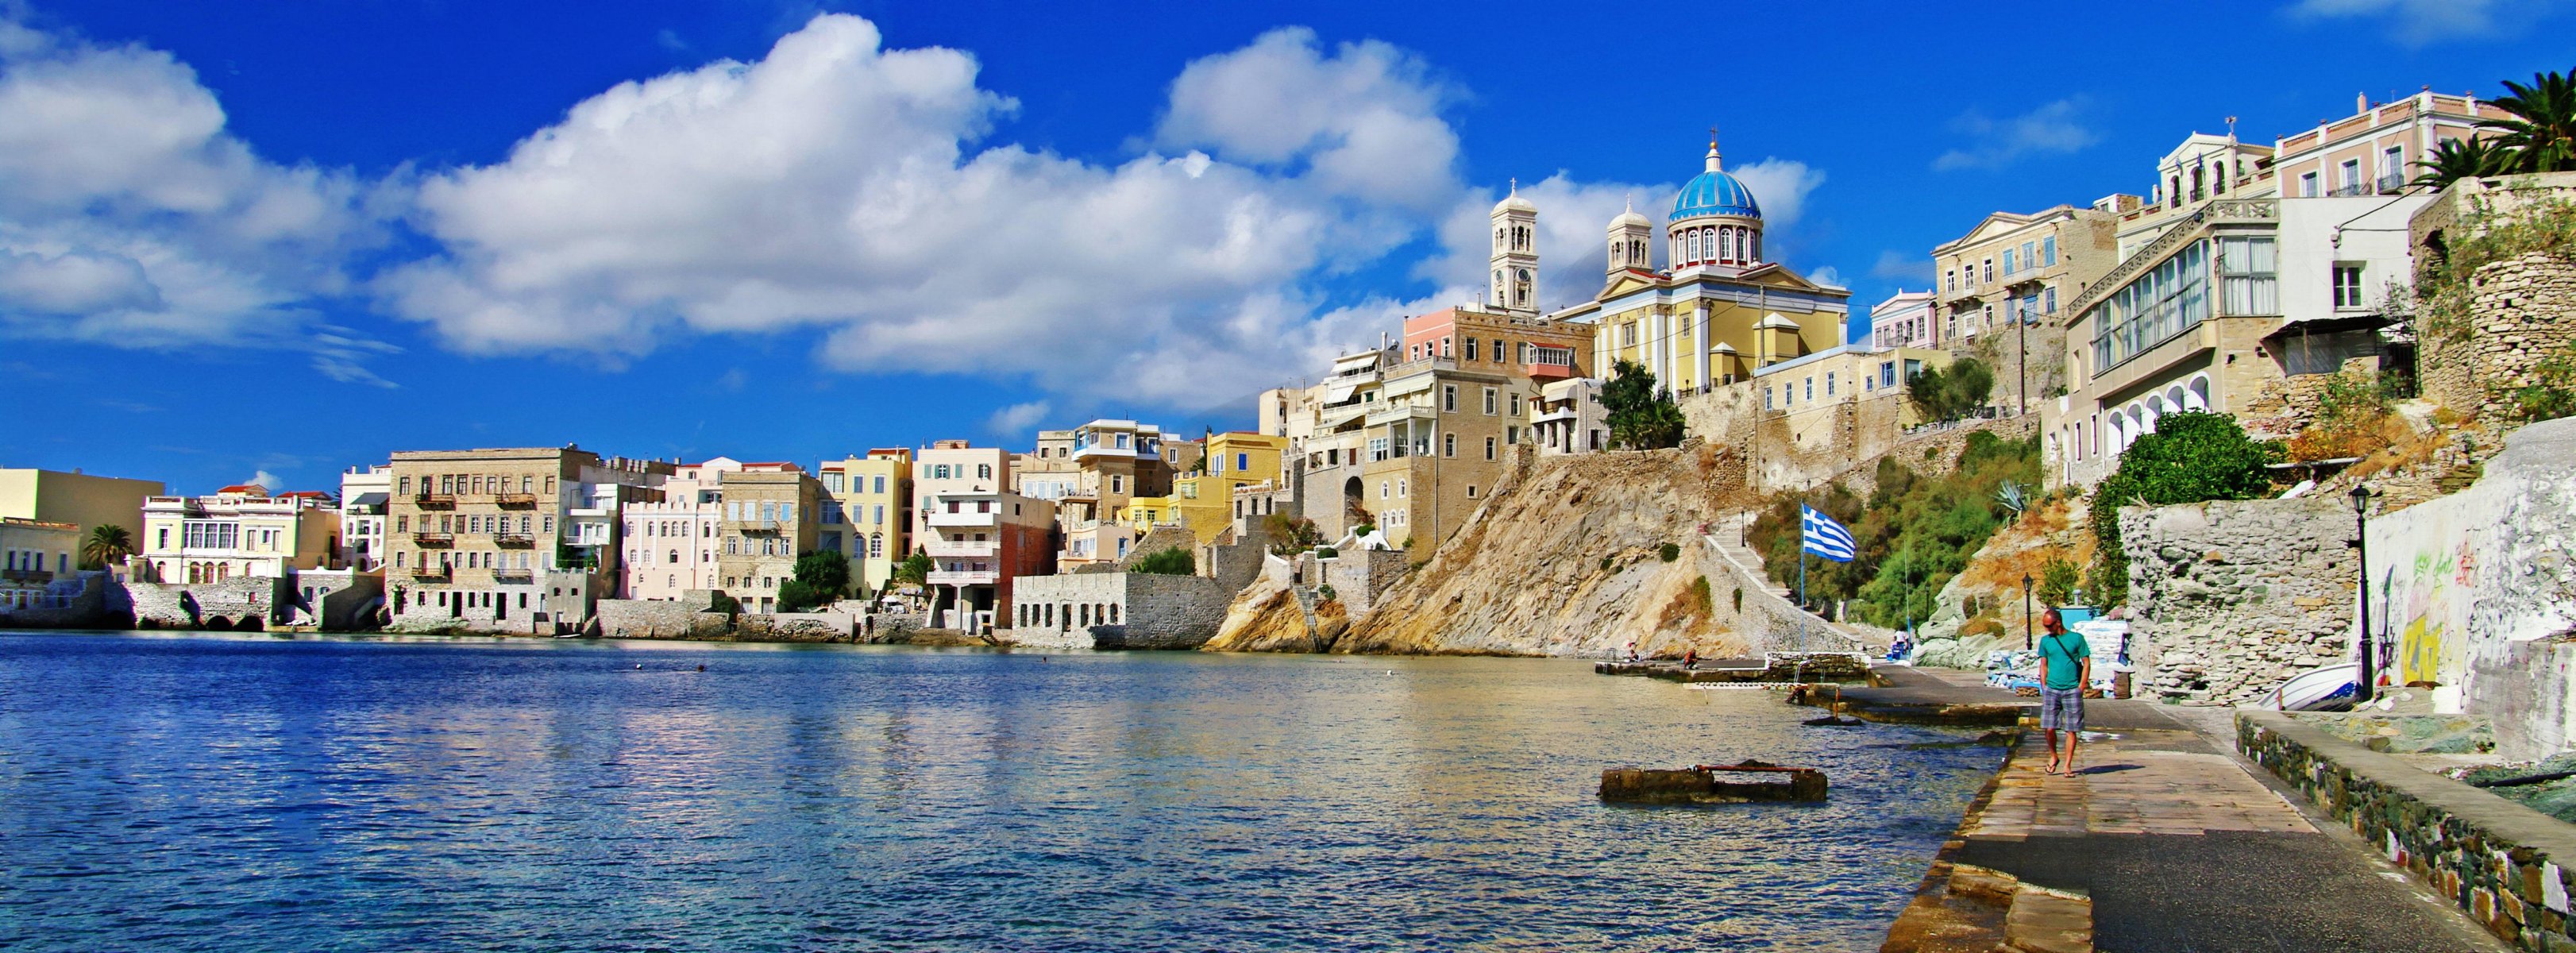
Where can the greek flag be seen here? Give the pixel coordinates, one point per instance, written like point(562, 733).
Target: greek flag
point(1819, 534)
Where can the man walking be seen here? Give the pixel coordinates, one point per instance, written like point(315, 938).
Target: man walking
point(2065, 667)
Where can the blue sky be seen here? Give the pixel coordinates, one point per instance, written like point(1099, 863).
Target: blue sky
point(283, 239)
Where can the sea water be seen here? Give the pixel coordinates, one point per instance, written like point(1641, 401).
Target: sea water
point(245, 792)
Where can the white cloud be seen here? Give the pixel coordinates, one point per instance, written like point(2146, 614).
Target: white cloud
point(1363, 121)
point(2051, 129)
point(1827, 275)
point(1016, 419)
point(129, 217)
point(1900, 266)
point(834, 185)
point(265, 479)
point(1781, 186)
point(2418, 23)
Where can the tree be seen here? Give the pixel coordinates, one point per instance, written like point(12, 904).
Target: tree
point(1167, 562)
point(1949, 394)
point(914, 569)
point(1291, 535)
point(1642, 415)
point(2456, 159)
point(795, 595)
point(2542, 133)
point(826, 572)
point(2057, 580)
point(106, 546)
point(2190, 457)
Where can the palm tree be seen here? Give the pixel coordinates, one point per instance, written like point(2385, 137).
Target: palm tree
point(2456, 159)
point(106, 546)
point(2542, 132)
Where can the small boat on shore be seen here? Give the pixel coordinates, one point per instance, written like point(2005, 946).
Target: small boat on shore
point(2326, 689)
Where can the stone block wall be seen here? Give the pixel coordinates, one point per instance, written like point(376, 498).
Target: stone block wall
point(207, 604)
point(1171, 612)
point(101, 603)
point(2495, 859)
point(2522, 311)
point(1359, 577)
point(2231, 598)
point(1118, 610)
point(658, 619)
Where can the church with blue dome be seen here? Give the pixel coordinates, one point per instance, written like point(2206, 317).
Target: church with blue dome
point(1717, 312)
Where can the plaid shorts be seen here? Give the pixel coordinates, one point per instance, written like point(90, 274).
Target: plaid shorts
point(2061, 709)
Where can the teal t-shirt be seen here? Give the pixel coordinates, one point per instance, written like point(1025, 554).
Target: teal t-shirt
point(2065, 655)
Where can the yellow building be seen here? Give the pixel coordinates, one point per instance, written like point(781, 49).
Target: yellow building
point(1204, 500)
point(868, 513)
point(1718, 311)
point(76, 498)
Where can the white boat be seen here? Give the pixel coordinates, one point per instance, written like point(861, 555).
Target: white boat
point(2326, 689)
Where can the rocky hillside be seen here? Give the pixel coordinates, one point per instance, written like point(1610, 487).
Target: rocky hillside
point(1566, 561)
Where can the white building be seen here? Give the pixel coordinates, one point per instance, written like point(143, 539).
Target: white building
point(364, 493)
point(238, 532)
point(671, 543)
point(1568, 417)
point(1903, 320)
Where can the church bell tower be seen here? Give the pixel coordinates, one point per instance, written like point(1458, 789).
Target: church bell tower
point(1514, 285)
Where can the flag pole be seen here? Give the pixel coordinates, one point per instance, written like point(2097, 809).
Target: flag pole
point(1798, 671)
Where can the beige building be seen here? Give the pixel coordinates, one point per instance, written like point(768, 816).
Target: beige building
point(769, 515)
point(2205, 168)
point(238, 532)
point(1092, 474)
point(1567, 417)
point(33, 554)
point(77, 498)
point(2002, 288)
point(977, 531)
point(867, 513)
point(487, 538)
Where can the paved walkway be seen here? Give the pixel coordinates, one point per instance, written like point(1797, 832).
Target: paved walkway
point(2185, 848)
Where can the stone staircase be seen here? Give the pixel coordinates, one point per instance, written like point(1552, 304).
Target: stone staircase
point(1728, 536)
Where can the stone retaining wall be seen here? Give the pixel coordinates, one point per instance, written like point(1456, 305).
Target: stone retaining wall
point(224, 605)
point(2497, 860)
point(2522, 310)
point(2231, 598)
point(1121, 610)
point(659, 619)
point(1359, 577)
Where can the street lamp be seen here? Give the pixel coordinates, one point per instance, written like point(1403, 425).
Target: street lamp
point(2361, 627)
point(2025, 612)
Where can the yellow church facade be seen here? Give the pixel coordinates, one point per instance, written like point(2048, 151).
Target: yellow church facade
point(1719, 311)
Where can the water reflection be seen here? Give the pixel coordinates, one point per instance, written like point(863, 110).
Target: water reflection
point(244, 792)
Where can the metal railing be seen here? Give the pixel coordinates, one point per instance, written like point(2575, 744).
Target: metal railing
point(514, 540)
point(516, 501)
point(435, 501)
point(433, 539)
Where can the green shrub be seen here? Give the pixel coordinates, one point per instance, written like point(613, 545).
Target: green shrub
point(2057, 579)
point(1326, 552)
point(795, 595)
point(1669, 551)
point(1607, 562)
point(2190, 458)
point(1641, 415)
point(1913, 533)
point(1167, 562)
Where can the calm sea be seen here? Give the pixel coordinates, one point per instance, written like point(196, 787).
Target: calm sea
point(163, 792)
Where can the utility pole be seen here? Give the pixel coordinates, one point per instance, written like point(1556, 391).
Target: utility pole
point(2021, 326)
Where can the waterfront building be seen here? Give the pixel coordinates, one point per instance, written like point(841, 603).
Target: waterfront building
point(33, 554)
point(1905, 319)
point(867, 513)
point(238, 532)
point(769, 514)
point(2011, 274)
point(83, 500)
point(485, 537)
point(670, 542)
point(978, 532)
point(2375, 150)
point(1720, 310)
point(365, 492)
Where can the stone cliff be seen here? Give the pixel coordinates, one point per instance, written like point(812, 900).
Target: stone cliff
point(1568, 561)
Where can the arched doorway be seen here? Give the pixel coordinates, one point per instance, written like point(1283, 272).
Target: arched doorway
point(1353, 513)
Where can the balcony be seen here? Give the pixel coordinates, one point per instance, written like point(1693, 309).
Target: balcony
point(968, 577)
point(753, 526)
point(435, 501)
point(965, 518)
point(513, 540)
point(943, 549)
point(513, 575)
point(437, 540)
point(2392, 183)
point(1543, 371)
point(27, 575)
point(433, 574)
point(515, 501)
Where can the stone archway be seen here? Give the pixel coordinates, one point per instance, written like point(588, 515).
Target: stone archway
point(1353, 513)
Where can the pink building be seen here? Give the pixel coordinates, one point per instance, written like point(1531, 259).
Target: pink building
point(671, 545)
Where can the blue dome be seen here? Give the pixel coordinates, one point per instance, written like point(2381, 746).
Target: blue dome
point(1714, 193)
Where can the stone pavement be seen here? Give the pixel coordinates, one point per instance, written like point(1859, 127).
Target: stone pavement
point(2177, 845)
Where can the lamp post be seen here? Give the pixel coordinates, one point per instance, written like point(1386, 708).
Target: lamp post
point(2026, 641)
point(2361, 627)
